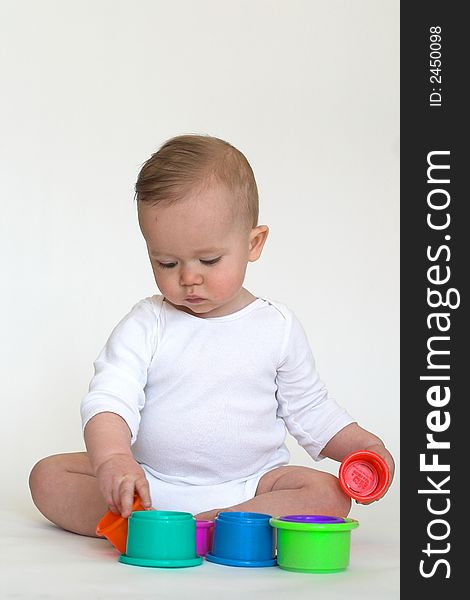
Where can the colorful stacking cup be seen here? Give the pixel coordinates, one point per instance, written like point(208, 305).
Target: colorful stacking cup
point(204, 531)
point(161, 539)
point(242, 539)
point(114, 527)
point(313, 547)
point(364, 475)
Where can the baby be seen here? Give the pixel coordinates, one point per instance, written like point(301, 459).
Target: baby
point(194, 389)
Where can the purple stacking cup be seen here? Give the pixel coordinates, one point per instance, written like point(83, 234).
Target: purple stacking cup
point(311, 519)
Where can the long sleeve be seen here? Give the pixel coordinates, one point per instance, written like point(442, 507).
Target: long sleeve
point(310, 415)
point(121, 368)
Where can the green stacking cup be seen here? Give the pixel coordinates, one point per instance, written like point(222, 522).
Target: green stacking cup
point(160, 538)
point(313, 547)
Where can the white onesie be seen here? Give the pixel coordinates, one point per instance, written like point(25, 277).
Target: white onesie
point(207, 400)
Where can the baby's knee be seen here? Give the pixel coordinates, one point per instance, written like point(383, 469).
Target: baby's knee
point(43, 475)
point(327, 486)
point(344, 503)
point(341, 500)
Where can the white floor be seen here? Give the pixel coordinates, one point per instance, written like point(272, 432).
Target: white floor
point(38, 560)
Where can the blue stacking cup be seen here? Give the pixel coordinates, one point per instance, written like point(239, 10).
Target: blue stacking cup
point(243, 539)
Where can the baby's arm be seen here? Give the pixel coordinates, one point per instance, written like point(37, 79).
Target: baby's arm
point(108, 440)
point(352, 438)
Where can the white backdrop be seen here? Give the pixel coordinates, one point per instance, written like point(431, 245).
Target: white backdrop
point(308, 90)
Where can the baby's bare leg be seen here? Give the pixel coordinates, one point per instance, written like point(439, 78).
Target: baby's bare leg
point(66, 492)
point(294, 490)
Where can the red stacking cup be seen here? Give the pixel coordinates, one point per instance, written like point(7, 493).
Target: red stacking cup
point(364, 475)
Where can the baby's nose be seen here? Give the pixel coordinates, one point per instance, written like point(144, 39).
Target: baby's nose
point(190, 276)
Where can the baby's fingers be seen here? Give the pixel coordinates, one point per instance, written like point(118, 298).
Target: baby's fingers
point(142, 487)
point(126, 497)
point(113, 508)
point(112, 504)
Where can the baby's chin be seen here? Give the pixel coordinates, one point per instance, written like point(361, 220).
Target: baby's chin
point(198, 310)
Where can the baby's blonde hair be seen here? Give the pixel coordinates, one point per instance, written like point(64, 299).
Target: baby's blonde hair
point(196, 161)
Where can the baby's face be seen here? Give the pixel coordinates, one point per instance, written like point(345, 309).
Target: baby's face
point(199, 254)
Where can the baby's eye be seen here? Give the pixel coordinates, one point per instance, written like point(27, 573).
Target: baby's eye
point(212, 261)
point(166, 265)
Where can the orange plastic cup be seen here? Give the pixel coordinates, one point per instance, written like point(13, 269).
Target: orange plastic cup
point(114, 527)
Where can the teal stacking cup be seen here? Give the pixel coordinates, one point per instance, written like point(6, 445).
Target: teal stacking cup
point(160, 538)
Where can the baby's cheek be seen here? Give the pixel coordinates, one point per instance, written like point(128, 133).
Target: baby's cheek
point(164, 283)
point(229, 280)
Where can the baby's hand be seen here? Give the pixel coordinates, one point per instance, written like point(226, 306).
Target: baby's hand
point(119, 478)
point(385, 454)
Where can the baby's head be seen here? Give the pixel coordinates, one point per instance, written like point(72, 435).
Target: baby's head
point(198, 212)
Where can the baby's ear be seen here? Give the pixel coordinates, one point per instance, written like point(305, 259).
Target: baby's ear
point(258, 237)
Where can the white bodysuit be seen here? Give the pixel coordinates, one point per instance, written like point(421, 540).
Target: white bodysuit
point(207, 400)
